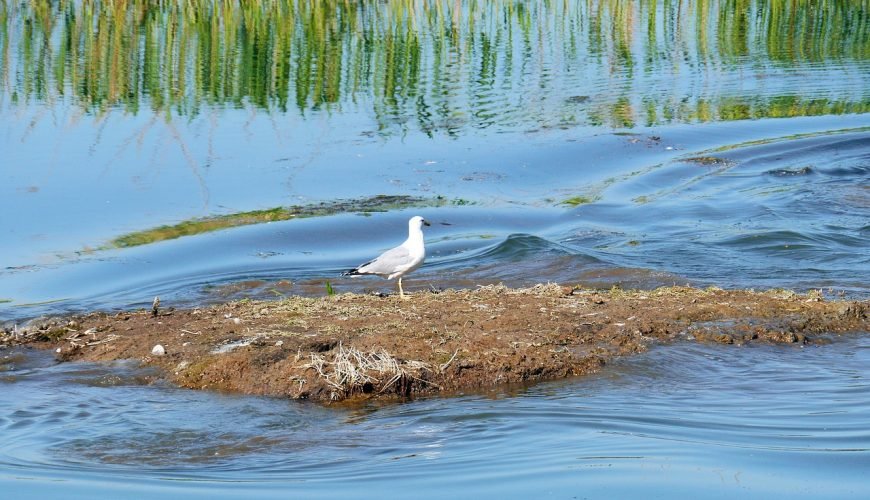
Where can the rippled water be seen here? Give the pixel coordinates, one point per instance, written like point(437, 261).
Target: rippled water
point(773, 210)
point(561, 130)
point(757, 421)
point(144, 146)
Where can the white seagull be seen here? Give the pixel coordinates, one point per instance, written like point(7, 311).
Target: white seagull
point(399, 261)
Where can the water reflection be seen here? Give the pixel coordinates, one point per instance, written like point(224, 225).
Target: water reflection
point(444, 66)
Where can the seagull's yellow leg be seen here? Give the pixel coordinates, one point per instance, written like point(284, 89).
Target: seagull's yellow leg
point(401, 293)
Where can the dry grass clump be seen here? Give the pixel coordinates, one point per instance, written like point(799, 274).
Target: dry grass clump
point(351, 371)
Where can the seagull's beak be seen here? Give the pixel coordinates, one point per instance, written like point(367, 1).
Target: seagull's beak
point(426, 223)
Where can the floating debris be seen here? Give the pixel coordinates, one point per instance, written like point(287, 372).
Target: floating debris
point(577, 99)
point(708, 161)
point(786, 172)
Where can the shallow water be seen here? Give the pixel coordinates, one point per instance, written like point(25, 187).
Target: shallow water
point(632, 143)
point(759, 421)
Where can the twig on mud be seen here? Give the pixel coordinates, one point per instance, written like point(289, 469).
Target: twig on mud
point(317, 363)
point(76, 335)
point(301, 381)
point(106, 340)
point(445, 365)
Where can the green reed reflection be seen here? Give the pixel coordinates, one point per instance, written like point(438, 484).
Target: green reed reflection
point(442, 65)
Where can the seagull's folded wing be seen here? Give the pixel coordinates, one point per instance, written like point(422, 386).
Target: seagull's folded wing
point(388, 262)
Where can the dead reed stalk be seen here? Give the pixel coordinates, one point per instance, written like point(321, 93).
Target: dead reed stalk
point(353, 371)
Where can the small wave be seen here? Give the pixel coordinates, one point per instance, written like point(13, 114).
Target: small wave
point(859, 170)
point(518, 246)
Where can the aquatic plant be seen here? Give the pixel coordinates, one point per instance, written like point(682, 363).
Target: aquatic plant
point(578, 200)
point(707, 160)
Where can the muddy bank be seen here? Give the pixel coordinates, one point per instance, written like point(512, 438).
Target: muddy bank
point(352, 346)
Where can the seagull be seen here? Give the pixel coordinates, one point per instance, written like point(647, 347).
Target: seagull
point(399, 261)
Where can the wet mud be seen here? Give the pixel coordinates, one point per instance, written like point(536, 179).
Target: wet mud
point(350, 347)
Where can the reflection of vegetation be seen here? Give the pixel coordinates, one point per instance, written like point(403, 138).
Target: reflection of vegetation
point(438, 65)
point(381, 203)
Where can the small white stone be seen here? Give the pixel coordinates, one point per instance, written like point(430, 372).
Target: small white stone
point(158, 350)
point(279, 343)
point(57, 350)
point(237, 320)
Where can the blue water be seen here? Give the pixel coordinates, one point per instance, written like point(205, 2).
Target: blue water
point(788, 208)
point(630, 143)
point(758, 421)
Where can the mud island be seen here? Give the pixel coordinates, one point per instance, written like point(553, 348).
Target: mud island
point(351, 347)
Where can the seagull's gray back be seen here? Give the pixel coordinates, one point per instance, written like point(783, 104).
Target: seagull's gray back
point(388, 262)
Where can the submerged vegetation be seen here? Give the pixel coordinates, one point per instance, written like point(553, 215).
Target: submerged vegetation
point(380, 203)
point(576, 201)
point(436, 65)
point(707, 160)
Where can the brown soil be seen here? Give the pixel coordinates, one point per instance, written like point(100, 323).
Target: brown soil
point(361, 346)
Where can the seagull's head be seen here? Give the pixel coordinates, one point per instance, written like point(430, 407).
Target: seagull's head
point(418, 222)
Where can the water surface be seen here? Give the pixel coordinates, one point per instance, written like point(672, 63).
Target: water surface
point(155, 149)
point(756, 421)
point(546, 127)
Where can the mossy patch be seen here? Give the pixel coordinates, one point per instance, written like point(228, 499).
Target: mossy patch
point(51, 335)
point(576, 201)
